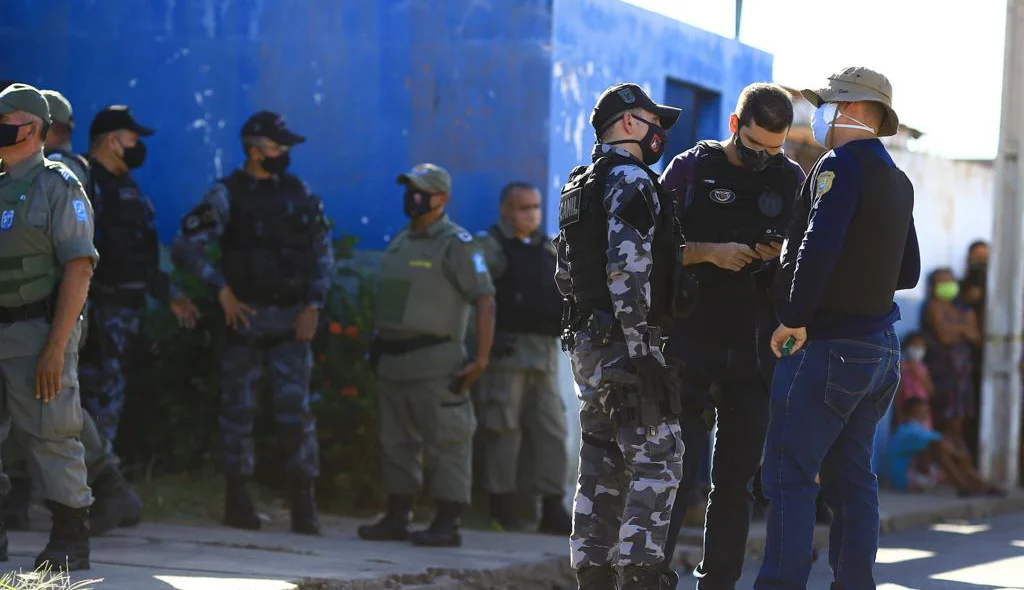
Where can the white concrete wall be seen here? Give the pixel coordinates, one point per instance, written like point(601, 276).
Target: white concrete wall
point(954, 204)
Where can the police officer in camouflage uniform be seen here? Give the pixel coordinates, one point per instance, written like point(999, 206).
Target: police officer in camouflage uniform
point(518, 402)
point(127, 241)
point(46, 261)
point(274, 275)
point(432, 274)
point(116, 503)
point(618, 259)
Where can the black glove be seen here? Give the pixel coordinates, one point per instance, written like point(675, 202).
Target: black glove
point(656, 380)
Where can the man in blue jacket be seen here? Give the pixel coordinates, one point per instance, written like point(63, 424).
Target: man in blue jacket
point(851, 246)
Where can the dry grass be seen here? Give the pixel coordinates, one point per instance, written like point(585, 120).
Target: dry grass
point(44, 579)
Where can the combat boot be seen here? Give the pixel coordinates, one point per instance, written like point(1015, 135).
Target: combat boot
point(503, 512)
point(444, 530)
point(116, 503)
point(3, 537)
point(305, 519)
point(641, 577)
point(394, 525)
point(239, 511)
point(596, 577)
point(554, 520)
point(68, 548)
point(16, 505)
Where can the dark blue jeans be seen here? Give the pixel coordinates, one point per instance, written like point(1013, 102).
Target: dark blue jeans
point(826, 402)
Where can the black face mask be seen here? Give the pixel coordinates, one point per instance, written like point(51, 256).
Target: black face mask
point(9, 134)
point(134, 156)
point(416, 203)
point(754, 160)
point(652, 145)
point(277, 164)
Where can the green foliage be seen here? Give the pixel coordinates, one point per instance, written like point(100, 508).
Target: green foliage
point(170, 423)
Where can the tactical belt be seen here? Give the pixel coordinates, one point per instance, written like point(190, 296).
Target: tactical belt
point(399, 347)
point(30, 311)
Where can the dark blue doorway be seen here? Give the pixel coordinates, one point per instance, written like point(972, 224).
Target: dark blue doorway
point(699, 119)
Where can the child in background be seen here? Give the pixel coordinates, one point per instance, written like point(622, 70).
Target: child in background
point(915, 380)
point(915, 449)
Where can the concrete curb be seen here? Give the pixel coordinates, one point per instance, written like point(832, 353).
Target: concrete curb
point(550, 574)
point(555, 574)
point(689, 552)
point(967, 508)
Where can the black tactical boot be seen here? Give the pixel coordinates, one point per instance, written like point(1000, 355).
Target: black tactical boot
point(239, 511)
point(444, 531)
point(554, 520)
point(3, 537)
point(116, 503)
point(596, 577)
point(304, 514)
point(16, 504)
point(394, 525)
point(68, 548)
point(503, 512)
point(639, 577)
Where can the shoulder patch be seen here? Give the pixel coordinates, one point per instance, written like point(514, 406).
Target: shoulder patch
point(823, 182)
point(464, 236)
point(202, 218)
point(634, 210)
point(479, 263)
point(81, 211)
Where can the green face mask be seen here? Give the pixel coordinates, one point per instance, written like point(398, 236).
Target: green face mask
point(947, 290)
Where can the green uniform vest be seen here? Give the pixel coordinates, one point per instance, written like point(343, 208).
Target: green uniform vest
point(28, 269)
point(415, 296)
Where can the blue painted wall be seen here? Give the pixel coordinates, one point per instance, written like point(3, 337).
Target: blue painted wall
point(598, 43)
point(494, 90)
point(376, 86)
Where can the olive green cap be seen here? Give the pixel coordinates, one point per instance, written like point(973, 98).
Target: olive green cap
point(22, 97)
point(855, 84)
point(60, 107)
point(430, 178)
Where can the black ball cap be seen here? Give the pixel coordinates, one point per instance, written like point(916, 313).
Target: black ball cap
point(272, 126)
point(623, 97)
point(114, 118)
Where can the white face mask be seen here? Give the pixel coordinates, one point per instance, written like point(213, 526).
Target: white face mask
point(823, 118)
point(916, 353)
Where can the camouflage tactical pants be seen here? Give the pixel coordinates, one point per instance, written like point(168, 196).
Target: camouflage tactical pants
point(103, 374)
point(269, 340)
point(627, 484)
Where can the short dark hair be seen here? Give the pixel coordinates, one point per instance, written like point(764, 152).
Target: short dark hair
point(912, 403)
point(912, 336)
point(977, 244)
point(506, 191)
point(767, 105)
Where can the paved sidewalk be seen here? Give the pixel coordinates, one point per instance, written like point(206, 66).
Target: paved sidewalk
point(163, 556)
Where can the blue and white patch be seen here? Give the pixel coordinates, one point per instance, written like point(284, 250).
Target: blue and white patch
point(67, 174)
point(479, 263)
point(723, 196)
point(80, 210)
point(464, 236)
point(6, 219)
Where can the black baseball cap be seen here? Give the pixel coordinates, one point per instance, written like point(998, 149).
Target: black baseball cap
point(623, 97)
point(272, 126)
point(114, 118)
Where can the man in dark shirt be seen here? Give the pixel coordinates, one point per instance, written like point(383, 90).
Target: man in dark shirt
point(734, 198)
point(851, 246)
